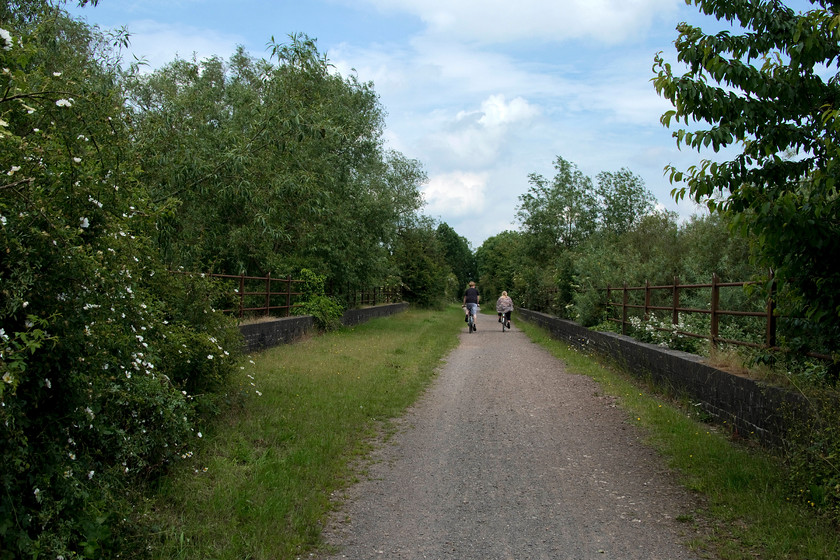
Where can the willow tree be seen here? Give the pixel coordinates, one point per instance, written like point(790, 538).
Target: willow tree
point(768, 96)
point(272, 165)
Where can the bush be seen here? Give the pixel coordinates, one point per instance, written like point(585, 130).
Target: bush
point(325, 311)
point(101, 348)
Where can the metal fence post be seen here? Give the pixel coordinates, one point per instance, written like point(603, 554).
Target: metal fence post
point(241, 294)
point(714, 310)
point(647, 301)
point(771, 313)
point(675, 314)
point(268, 295)
point(624, 310)
point(288, 295)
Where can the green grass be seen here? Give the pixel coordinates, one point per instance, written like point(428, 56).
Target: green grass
point(273, 460)
point(260, 486)
point(748, 510)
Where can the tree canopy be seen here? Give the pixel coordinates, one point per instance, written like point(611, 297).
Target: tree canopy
point(271, 166)
point(767, 95)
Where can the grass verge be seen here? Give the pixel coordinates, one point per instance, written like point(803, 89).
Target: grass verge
point(747, 512)
point(260, 487)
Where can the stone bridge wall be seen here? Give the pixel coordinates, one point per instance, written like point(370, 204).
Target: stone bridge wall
point(259, 336)
point(752, 408)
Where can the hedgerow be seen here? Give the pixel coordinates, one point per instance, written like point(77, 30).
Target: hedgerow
point(101, 367)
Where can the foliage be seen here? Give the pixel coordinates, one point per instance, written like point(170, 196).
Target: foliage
point(419, 256)
point(325, 310)
point(769, 97)
point(272, 166)
point(624, 200)
point(813, 453)
point(98, 362)
point(557, 214)
point(497, 261)
point(459, 255)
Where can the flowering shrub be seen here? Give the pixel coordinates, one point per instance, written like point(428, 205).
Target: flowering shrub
point(99, 359)
point(664, 333)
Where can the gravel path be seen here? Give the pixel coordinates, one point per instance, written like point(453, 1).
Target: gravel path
point(508, 456)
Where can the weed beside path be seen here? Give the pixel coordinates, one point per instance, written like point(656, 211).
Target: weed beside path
point(260, 488)
point(748, 511)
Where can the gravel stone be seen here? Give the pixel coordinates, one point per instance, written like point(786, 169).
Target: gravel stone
point(508, 456)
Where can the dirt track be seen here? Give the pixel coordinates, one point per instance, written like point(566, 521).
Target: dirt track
point(509, 456)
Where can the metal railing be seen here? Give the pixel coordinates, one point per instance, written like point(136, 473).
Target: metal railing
point(257, 295)
point(269, 295)
point(715, 311)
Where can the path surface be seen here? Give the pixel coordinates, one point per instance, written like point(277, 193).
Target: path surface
point(508, 456)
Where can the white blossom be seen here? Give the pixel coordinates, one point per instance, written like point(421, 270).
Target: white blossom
point(64, 103)
point(7, 39)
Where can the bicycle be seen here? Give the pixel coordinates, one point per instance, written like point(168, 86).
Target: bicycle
point(505, 322)
point(471, 318)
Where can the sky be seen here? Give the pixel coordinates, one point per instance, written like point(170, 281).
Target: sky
point(481, 92)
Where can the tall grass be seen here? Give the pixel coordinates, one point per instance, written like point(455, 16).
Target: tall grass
point(260, 487)
point(749, 511)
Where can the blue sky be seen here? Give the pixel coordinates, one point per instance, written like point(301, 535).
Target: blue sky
point(482, 92)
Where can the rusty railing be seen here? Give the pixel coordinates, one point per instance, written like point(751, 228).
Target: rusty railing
point(714, 311)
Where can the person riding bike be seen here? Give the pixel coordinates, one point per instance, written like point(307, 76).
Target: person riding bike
point(504, 305)
point(471, 301)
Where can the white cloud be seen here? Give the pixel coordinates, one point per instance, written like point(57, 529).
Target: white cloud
point(455, 194)
point(607, 21)
point(475, 139)
point(159, 43)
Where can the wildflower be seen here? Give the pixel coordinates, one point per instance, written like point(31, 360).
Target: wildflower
point(90, 475)
point(8, 378)
point(7, 39)
point(3, 220)
point(84, 223)
point(77, 159)
point(64, 103)
point(199, 434)
point(57, 74)
point(209, 356)
point(13, 170)
point(48, 383)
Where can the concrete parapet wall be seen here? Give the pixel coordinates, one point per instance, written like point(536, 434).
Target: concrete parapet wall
point(266, 334)
point(355, 316)
point(750, 407)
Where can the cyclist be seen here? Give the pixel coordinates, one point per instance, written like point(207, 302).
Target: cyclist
point(504, 305)
point(471, 301)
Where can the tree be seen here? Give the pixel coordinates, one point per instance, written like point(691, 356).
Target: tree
point(624, 200)
point(459, 256)
point(272, 166)
point(420, 259)
point(771, 94)
point(498, 259)
point(559, 214)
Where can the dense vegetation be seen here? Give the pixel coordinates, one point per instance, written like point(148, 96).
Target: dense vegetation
point(112, 178)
